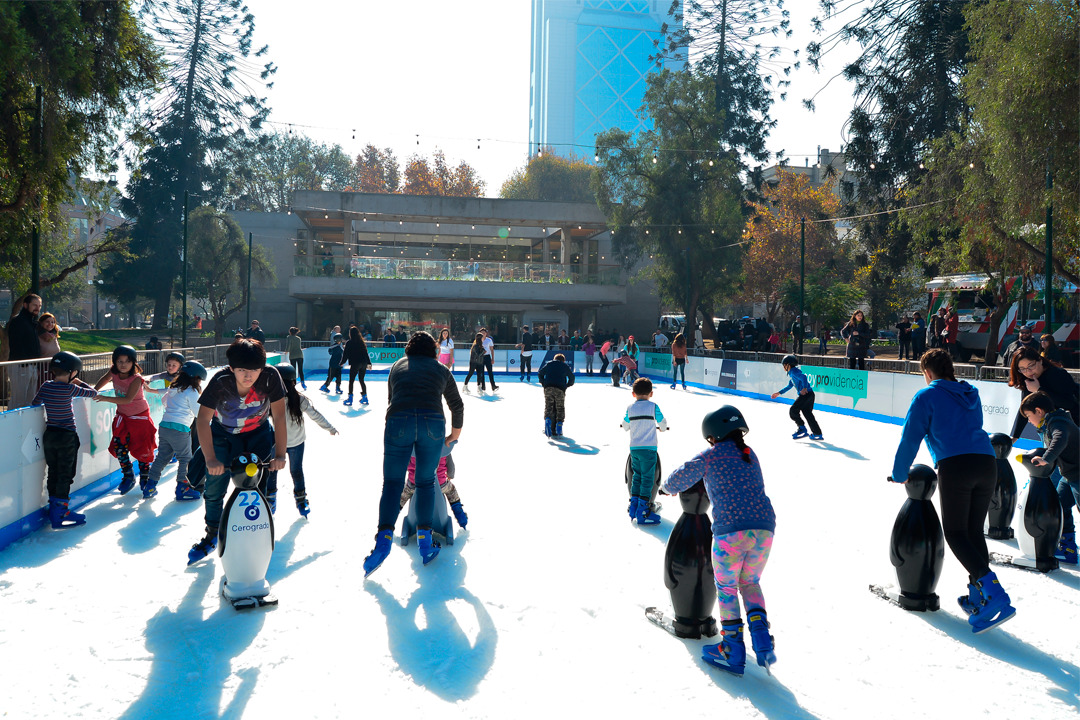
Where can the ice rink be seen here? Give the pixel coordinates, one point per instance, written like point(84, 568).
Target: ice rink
point(536, 610)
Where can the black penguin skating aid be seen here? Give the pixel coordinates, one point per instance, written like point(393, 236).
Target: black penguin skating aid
point(1038, 519)
point(917, 546)
point(688, 570)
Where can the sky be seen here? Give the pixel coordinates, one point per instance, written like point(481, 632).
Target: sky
point(425, 74)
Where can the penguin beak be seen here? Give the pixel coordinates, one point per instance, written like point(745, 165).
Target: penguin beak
point(251, 469)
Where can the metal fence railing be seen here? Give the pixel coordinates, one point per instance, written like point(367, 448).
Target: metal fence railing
point(19, 380)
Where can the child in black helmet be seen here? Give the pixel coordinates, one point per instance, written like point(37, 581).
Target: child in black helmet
point(742, 528)
point(804, 403)
point(61, 440)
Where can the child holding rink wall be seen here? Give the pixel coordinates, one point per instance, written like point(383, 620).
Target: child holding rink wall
point(61, 440)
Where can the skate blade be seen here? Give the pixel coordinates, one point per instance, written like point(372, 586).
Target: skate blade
point(999, 621)
point(737, 672)
point(251, 603)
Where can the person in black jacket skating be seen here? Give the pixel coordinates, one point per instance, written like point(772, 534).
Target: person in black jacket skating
point(555, 377)
point(356, 354)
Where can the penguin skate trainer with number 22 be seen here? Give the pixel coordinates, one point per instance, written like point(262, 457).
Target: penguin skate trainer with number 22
point(246, 537)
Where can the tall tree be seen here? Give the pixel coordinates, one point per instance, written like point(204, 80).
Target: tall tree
point(729, 39)
point(774, 235)
point(549, 176)
point(376, 171)
point(438, 178)
point(92, 61)
point(219, 264)
point(264, 171)
point(683, 208)
point(211, 94)
point(914, 54)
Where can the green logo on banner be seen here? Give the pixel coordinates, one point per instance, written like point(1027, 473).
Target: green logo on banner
point(838, 381)
point(655, 361)
point(386, 355)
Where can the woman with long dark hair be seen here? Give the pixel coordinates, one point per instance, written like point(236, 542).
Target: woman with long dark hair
point(678, 360)
point(948, 415)
point(415, 425)
point(857, 334)
point(476, 362)
point(356, 354)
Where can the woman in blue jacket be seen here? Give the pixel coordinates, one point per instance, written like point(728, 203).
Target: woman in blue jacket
point(948, 414)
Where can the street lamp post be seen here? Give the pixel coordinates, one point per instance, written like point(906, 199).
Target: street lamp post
point(249, 281)
point(1048, 293)
point(802, 281)
point(183, 306)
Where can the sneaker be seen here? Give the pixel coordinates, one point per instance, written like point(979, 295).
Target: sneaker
point(204, 547)
point(459, 514)
point(383, 540)
point(60, 517)
point(186, 492)
point(996, 607)
point(800, 433)
point(429, 547)
point(763, 642)
point(1066, 552)
point(126, 484)
point(816, 436)
point(730, 653)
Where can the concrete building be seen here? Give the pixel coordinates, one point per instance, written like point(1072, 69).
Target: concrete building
point(417, 262)
point(589, 62)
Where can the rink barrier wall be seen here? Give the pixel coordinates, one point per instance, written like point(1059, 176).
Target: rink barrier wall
point(23, 498)
point(881, 397)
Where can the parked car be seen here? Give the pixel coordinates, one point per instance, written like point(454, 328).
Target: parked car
point(69, 329)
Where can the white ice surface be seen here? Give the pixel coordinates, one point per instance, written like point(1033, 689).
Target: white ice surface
point(536, 610)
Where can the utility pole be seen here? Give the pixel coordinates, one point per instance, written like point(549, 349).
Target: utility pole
point(183, 310)
point(249, 282)
point(1048, 293)
point(37, 140)
point(802, 280)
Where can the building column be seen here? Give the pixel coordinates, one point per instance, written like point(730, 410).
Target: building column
point(564, 250)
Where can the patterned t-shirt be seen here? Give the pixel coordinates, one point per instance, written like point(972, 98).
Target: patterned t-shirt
point(735, 488)
point(238, 414)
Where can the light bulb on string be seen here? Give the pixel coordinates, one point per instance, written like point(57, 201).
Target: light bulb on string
point(873, 166)
point(354, 133)
point(971, 166)
point(654, 158)
point(710, 163)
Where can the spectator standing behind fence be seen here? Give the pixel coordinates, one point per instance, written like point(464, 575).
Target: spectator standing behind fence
point(918, 336)
point(857, 335)
point(937, 324)
point(1050, 349)
point(903, 338)
point(48, 335)
point(1023, 340)
point(255, 332)
point(951, 332)
point(23, 345)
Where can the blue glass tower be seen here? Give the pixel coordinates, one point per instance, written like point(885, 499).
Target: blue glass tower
point(589, 62)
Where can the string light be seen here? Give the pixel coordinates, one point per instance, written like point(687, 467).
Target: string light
point(873, 166)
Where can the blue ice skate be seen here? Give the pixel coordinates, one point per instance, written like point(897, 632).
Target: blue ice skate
point(363, 399)
point(348, 400)
point(816, 436)
point(459, 514)
point(203, 548)
point(800, 433)
point(729, 654)
point(760, 638)
point(429, 547)
point(60, 517)
point(996, 607)
point(383, 541)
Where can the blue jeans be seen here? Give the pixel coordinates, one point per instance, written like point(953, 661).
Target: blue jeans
point(1066, 492)
point(296, 469)
point(226, 447)
point(411, 431)
point(680, 367)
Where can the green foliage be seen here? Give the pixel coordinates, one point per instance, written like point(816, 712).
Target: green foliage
point(264, 171)
point(84, 343)
point(828, 301)
point(219, 264)
point(550, 177)
point(682, 208)
point(209, 102)
point(92, 61)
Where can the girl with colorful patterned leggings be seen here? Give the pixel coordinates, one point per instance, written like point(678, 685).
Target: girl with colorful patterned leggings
point(742, 528)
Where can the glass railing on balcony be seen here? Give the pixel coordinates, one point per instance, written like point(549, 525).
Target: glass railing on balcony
point(454, 270)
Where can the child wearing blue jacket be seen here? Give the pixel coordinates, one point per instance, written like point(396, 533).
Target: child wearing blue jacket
point(804, 403)
point(948, 414)
point(743, 525)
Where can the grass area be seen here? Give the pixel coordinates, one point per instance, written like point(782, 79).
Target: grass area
point(85, 343)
